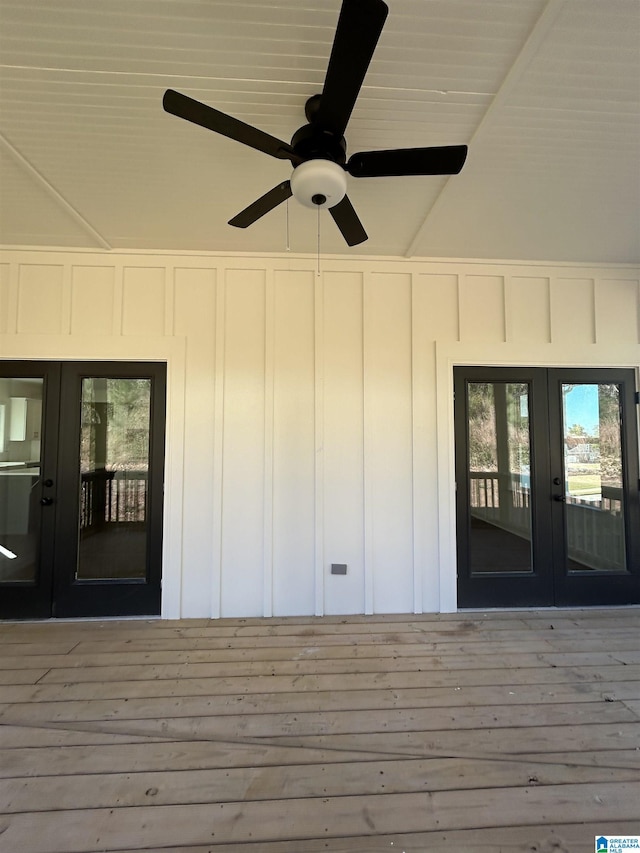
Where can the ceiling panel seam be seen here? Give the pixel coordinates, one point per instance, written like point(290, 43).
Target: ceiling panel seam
point(528, 52)
point(40, 179)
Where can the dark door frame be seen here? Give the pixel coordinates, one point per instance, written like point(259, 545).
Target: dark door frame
point(599, 589)
point(548, 584)
point(32, 599)
point(56, 592)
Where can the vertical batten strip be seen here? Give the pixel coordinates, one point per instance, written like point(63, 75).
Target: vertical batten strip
point(269, 378)
point(174, 486)
point(218, 448)
point(65, 308)
point(592, 300)
point(418, 430)
point(368, 447)
point(13, 299)
point(458, 331)
point(553, 295)
point(445, 440)
point(318, 349)
point(507, 290)
point(5, 274)
point(118, 297)
point(169, 300)
point(549, 312)
point(597, 299)
point(461, 283)
point(553, 331)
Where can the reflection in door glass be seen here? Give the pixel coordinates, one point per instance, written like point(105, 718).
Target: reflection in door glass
point(114, 467)
point(594, 508)
point(20, 492)
point(499, 477)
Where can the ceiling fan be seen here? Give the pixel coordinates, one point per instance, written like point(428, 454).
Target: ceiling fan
point(317, 150)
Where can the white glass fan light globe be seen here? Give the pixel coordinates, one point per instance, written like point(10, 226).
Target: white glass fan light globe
point(319, 183)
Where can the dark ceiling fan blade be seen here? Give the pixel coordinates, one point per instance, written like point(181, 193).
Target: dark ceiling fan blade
point(359, 27)
point(184, 107)
point(263, 205)
point(446, 160)
point(347, 221)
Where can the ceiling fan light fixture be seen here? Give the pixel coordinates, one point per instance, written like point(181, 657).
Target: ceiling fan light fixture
point(319, 183)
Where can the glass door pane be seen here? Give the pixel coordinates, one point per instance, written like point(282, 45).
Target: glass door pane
point(114, 473)
point(499, 477)
point(20, 463)
point(593, 466)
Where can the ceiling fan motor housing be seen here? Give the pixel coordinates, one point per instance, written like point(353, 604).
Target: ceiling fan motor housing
point(319, 183)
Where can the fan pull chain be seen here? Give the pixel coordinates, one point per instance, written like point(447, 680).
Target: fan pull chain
point(318, 266)
point(288, 246)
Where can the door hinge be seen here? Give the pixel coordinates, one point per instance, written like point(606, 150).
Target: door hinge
point(637, 398)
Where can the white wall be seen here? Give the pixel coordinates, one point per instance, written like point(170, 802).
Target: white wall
point(310, 417)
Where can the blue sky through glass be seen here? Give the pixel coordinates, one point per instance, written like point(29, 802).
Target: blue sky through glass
point(581, 407)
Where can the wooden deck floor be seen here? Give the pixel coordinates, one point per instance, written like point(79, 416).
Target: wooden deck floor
point(513, 731)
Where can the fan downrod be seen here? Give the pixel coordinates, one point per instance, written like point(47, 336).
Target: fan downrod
point(311, 142)
point(311, 108)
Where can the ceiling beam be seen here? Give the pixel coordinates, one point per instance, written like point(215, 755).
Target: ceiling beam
point(527, 54)
point(53, 193)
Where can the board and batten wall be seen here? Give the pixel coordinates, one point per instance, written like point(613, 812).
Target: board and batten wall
point(310, 416)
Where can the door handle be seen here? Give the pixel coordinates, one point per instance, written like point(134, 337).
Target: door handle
point(46, 501)
point(560, 498)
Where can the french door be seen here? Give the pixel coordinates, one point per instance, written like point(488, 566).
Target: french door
point(547, 488)
point(81, 488)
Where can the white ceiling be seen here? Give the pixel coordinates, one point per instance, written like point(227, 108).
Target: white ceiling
point(546, 93)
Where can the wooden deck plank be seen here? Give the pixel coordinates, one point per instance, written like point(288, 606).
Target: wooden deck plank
point(25, 651)
point(323, 645)
point(404, 632)
point(287, 629)
point(476, 742)
point(633, 705)
point(92, 655)
point(93, 829)
point(114, 790)
point(470, 621)
point(293, 724)
point(327, 701)
point(311, 749)
point(628, 656)
point(15, 736)
point(285, 653)
point(303, 665)
point(154, 756)
point(189, 686)
point(418, 628)
point(117, 644)
point(558, 838)
point(22, 676)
